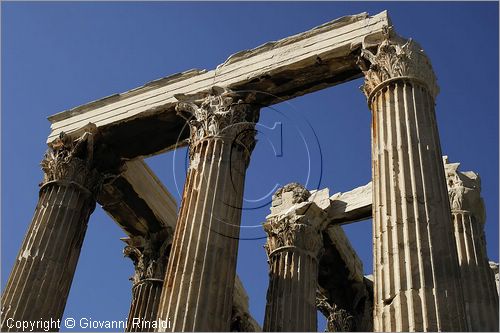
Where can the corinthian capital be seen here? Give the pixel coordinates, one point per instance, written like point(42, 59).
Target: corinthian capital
point(72, 160)
point(464, 191)
point(295, 222)
point(149, 255)
point(220, 113)
point(338, 319)
point(392, 58)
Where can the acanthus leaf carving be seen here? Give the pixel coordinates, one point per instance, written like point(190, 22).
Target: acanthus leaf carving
point(396, 57)
point(72, 160)
point(221, 113)
point(299, 192)
point(298, 231)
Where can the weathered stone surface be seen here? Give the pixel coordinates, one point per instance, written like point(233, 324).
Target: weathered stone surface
point(417, 279)
point(395, 58)
point(343, 295)
point(137, 200)
point(287, 196)
point(468, 216)
point(338, 319)
point(202, 265)
point(40, 281)
point(143, 121)
point(150, 257)
point(351, 206)
point(416, 272)
point(301, 233)
point(293, 246)
point(346, 253)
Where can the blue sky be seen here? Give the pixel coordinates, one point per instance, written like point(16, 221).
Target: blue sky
point(59, 55)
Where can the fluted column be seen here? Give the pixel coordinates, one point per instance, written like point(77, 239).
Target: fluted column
point(294, 243)
point(40, 281)
point(494, 272)
point(468, 217)
point(200, 276)
point(416, 273)
point(150, 257)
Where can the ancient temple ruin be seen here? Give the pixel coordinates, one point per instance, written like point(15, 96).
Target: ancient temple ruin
point(431, 271)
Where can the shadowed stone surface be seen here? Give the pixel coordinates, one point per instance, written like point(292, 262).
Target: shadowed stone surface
point(468, 217)
point(416, 272)
point(199, 283)
point(40, 281)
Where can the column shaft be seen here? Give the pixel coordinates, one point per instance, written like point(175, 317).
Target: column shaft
point(150, 256)
point(468, 218)
point(144, 308)
point(40, 281)
point(416, 275)
point(293, 246)
point(291, 296)
point(480, 296)
point(200, 275)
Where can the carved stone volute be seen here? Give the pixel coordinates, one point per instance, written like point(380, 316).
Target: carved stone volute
point(393, 58)
point(220, 113)
point(72, 160)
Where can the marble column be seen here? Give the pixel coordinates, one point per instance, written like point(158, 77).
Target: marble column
point(468, 217)
point(241, 319)
point(201, 270)
point(150, 257)
point(40, 281)
point(294, 244)
point(416, 272)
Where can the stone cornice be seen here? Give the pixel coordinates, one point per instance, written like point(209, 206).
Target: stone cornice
point(395, 58)
point(296, 232)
